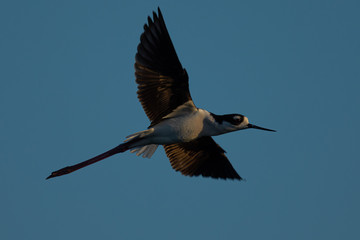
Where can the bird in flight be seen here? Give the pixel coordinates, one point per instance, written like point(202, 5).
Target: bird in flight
point(184, 130)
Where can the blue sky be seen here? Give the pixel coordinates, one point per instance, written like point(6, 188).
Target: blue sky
point(68, 93)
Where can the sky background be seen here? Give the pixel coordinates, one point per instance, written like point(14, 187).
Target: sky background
point(67, 93)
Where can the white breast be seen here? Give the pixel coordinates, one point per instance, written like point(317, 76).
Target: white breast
point(183, 128)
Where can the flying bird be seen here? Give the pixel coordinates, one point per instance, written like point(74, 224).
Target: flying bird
point(184, 130)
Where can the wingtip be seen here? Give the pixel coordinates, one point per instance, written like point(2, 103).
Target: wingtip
point(51, 176)
point(235, 178)
point(159, 13)
point(150, 21)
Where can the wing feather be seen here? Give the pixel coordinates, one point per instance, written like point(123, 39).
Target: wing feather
point(163, 83)
point(202, 156)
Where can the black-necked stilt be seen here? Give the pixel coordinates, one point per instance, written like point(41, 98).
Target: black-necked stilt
point(176, 123)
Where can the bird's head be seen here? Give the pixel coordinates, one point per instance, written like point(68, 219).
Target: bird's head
point(235, 122)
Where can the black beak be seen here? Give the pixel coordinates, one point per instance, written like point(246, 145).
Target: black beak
point(256, 127)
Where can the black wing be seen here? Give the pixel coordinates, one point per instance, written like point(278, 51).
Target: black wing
point(162, 82)
point(202, 156)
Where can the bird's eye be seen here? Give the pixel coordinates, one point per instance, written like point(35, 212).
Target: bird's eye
point(238, 120)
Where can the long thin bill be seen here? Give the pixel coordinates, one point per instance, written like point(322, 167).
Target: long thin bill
point(261, 128)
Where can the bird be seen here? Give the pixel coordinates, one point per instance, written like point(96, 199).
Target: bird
point(184, 130)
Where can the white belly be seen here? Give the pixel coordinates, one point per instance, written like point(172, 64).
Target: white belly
point(181, 128)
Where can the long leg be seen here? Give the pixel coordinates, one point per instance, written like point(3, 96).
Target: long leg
point(66, 170)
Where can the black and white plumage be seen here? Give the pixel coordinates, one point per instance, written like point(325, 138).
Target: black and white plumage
point(176, 123)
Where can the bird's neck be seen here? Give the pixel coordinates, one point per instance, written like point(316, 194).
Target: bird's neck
point(214, 124)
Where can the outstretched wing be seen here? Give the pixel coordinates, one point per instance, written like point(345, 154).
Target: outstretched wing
point(162, 82)
point(202, 156)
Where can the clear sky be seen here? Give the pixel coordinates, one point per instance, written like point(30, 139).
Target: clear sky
point(67, 93)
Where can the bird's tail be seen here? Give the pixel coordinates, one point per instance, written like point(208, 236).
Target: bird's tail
point(145, 150)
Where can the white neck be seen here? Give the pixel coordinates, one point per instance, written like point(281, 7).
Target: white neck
point(213, 128)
